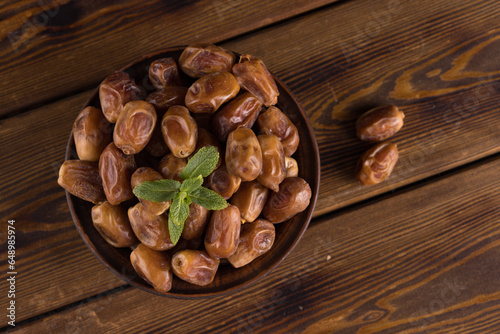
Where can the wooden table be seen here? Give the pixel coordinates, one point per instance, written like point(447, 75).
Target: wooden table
point(418, 253)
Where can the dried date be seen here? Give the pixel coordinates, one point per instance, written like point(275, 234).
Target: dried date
point(377, 163)
point(153, 266)
point(379, 124)
point(115, 169)
point(92, 133)
point(293, 197)
point(195, 266)
point(81, 179)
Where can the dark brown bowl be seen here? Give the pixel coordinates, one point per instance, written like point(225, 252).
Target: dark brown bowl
point(228, 279)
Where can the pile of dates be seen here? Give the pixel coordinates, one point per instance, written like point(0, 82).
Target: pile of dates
point(207, 97)
point(376, 126)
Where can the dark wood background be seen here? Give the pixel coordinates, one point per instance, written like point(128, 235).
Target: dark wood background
point(419, 253)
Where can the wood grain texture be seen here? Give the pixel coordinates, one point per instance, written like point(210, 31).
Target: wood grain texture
point(49, 49)
point(54, 265)
point(425, 260)
point(439, 65)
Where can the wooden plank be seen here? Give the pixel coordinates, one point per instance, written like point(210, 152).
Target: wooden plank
point(49, 49)
point(442, 131)
point(439, 65)
point(423, 260)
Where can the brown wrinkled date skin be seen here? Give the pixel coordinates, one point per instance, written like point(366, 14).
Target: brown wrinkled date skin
point(292, 167)
point(164, 72)
point(201, 59)
point(223, 182)
point(92, 133)
point(151, 230)
point(250, 200)
point(253, 76)
point(195, 266)
point(166, 98)
point(144, 174)
point(81, 179)
point(293, 197)
point(180, 131)
point(256, 239)
point(111, 221)
point(274, 121)
point(114, 92)
point(240, 112)
point(243, 154)
point(153, 266)
point(209, 92)
point(223, 232)
point(379, 124)
point(134, 127)
point(273, 162)
point(115, 169)
point(171, 167)
point(196, 222)
point(376, 164)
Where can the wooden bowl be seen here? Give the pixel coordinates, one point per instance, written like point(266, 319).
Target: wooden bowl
point(228, 279)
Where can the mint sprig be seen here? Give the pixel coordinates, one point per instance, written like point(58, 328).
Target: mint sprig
point(183, 194)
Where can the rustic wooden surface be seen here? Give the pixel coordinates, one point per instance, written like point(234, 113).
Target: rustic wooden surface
point(418, 253)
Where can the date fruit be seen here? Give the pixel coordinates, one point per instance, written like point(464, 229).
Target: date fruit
point(201, 59)
point(243, 154)
point(273, 162)
point(195, 266)
point(223, 232)
point(151, 230)
point(171, 167)
point(253, 76)
point(196, 222)
point(92, 133)
point(180, 131)
point(209, 92)
point(250, 200)
point(274, 121)
point(115, 169)
point(379, 124)
point(81, 179)
point(111, 221)
point(377, 163)
point(240, 112)
point(166, 98)
point(292, 167)
point(153, 266)
point(293, 197)
point(163, 72)
point(134, 127)
point(115, 91)
point(143, 174)
point(256, 239)
point(223, 182)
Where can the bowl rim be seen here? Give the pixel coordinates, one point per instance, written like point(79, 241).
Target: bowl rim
point(262, 273)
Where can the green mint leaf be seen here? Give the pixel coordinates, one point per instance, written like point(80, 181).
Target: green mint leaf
point(208, 199)
point(174, 230)
point(202, 163)
point(191, 184)
point(177, 215)
point(157, 191)
point(179, 209)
